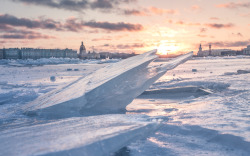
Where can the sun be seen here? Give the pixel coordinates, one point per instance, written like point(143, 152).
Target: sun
point(166, 49)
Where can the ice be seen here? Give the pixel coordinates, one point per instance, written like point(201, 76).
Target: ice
point(171, 93)
point(108, 90)
point(206, 113)
point(188, 140)
point(52, 78)
point(53, 61)
point(212, 124)
point(243, 71)
point(97, 135)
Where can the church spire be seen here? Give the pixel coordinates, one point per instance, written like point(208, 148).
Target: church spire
point(210, 49)
point(200, 48)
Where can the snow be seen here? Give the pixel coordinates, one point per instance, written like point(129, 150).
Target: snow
point(183, 113)
point(54, 61)
point(97, 135)
point(209, 124)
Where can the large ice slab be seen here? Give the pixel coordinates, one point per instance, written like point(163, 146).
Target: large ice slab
point(94, 135)
point(108, 90)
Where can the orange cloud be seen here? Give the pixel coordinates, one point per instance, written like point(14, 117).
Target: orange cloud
point(202, 35)
point(162, 11)
point(233, 5)
point(135, 12)
point(214, 18)
point(187, 24)
point(102, 39)
point(195, 8)
point(219, 26)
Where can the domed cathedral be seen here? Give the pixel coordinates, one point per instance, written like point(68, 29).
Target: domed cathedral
point(84, 55)
point(82, 52)
point(82, 49)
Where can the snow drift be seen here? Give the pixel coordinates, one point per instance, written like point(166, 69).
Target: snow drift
point(106, 91)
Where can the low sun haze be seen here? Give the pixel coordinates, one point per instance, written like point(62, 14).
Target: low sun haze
point(125, 25)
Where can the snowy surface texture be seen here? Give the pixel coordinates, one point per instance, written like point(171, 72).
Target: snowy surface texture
point(211, 121)
point(109, 88)
point(90, 136)
point(205, 112)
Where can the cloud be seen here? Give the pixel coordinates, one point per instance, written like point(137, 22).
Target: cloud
point(10, 20)
point(121, 26)
point(5, 27)
point(231, 44)
point(233, 5)
point(187, 24)
point(23, 34)
point(148, 11)
point(219, 26)
point(102, 4)
point(2, 42)
point(130, 46)
point(202, 35)
point(237, 34)
point(7, 32)
point(195, 8)
point(161, 11)
point(245, 15)
point(102, 39)
point(134, 12)
point(203, 30)
point(71, 24)
point(214, 18)
point(76, 5)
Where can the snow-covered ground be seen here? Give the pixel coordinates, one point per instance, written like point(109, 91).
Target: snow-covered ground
point(213, 124)
point(202, 105)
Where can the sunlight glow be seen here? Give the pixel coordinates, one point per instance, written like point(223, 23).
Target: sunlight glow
point(166, 49)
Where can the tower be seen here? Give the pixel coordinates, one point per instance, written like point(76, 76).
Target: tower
point(82, 49)
point(200, 48)
point(200, 51)
point(210, 49)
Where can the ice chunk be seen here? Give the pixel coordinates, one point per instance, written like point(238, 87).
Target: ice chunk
point(176, 92)
point(96, 135)
point(108, 90)
point(194, 70)
point(52, 78)
point(243, 71)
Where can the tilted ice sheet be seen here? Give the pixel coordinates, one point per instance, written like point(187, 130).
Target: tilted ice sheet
point(96, 135)
point(108, 90)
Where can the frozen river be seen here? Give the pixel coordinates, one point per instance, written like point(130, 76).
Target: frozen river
point(198, 124)
point(203, 105)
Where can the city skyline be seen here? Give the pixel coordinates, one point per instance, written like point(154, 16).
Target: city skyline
point(125, 25)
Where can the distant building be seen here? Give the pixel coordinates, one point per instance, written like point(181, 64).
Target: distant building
point(1, 53)
point(246, 51)
point(214, 52)
point(84, 55)
point(12, 53)
point(30, 53)
point(105, 55)
point(200, 51)
point(82, 52)
point(210, 50)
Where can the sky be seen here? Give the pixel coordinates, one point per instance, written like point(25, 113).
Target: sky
point(171, 26)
